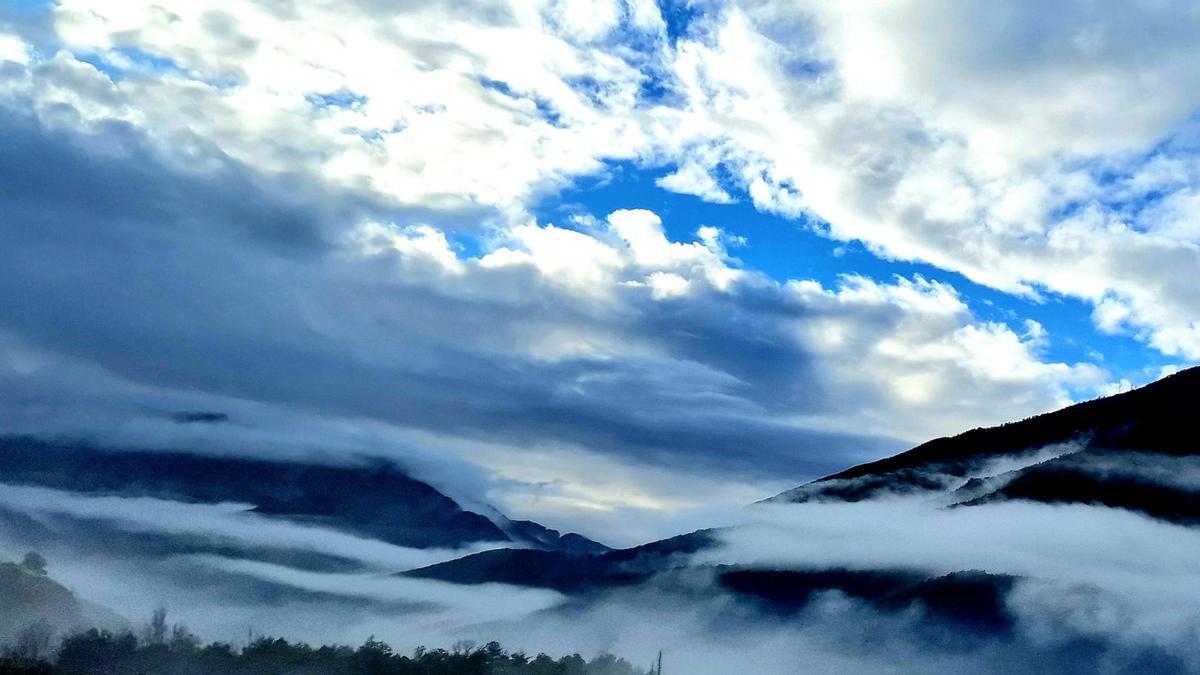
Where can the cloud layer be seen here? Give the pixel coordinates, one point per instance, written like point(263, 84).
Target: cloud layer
point(199, 210)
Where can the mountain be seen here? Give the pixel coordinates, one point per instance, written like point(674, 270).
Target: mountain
point(565, 572)
point(370, 497)
point(541, 537)
point(1131, 451)
point(30, 598)
point(969, 599)
point(1134, 451)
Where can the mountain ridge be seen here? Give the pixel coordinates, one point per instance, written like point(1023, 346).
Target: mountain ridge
point(1121, 451)
point(371, 497)
point(1145, 419)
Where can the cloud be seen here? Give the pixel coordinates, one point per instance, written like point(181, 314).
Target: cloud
point(230, 226)
point(588, 338)
point(853, 115)
point(692, 179)
point(1030, 154)
point(338, 257)
point(13, 48)
point(405, 100)
point(231, 523)
point(1131, 561)
point(220, 569)
point(962, 66)
point(1101, 587)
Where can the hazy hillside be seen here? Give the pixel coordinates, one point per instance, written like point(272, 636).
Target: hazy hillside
point(1127, 450)
point(370, 497)
point(29, 597)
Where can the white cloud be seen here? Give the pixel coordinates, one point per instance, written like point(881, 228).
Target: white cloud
point(414, 242)
point(1129, 562)
point(989, 150)
point(607, 336)
point(1016, 80)
point(693, 179)
point(917, 346)
point(454, 110)
point(13, 48)
point(976, 137)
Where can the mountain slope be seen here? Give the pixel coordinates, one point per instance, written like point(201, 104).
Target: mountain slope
point(1133, 451)
point(567, 573)
point(370, 497)
point(1157, 419)
point(969, 599)
point(542, 537)
point(30, 597)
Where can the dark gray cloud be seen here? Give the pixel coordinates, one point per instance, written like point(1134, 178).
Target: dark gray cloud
point(214, 280)
point(199, 417)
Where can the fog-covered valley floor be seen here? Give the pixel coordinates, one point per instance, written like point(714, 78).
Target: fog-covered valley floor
point(1093, 589)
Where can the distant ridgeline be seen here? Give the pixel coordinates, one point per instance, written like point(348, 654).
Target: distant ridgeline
point(31, 603)
point(370, 497)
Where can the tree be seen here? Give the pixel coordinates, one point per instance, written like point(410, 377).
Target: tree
point(34, 563)
point(155, 632)
point(182, 639)
point(96, 651)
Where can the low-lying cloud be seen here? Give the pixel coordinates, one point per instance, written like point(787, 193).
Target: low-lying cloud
point(1096, 587)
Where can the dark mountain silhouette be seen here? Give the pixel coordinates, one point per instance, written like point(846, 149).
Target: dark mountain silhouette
point(1102, 478)
point(568, 573)
point(370, 497)
point(530, 567)
point(970, 599)
point(1110, 441)
point(542, 537)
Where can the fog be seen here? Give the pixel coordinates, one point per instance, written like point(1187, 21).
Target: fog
point(233, 523)
point(1098, 589)
point(219, 586)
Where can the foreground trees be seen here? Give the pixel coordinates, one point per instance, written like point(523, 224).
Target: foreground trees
point(33, 646)
point(101, 651)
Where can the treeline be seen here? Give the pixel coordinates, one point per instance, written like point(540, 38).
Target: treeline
point(181, 653)
point(160, 648)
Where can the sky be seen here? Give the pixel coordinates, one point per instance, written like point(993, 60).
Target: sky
point(605, 264)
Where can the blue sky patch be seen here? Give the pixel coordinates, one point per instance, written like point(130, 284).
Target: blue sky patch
point(121, 61)
point(336, 99)
point(795, 249)
point(679, 16)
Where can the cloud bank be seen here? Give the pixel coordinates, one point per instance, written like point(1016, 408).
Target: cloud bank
point(199, 210)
